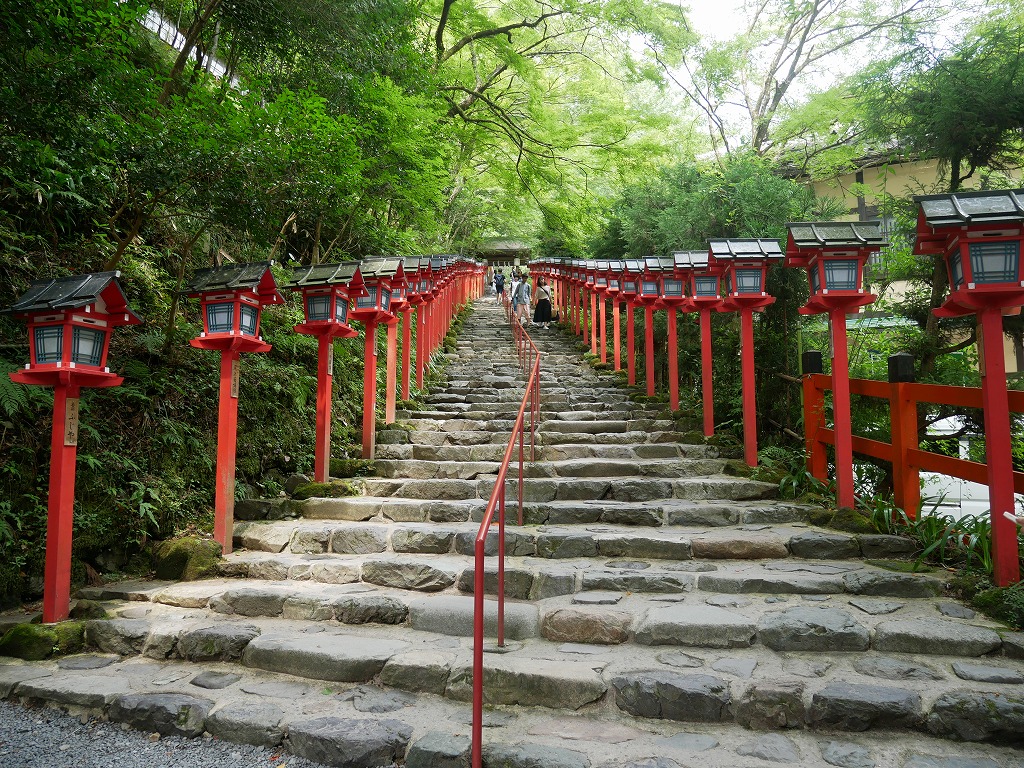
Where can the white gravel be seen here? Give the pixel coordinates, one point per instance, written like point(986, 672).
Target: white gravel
point(49, 738)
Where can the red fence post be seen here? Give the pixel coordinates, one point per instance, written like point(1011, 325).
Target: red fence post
point(630, 356)
point(61, 502)
point(906, 480)
point(706, 372)
point(616, 335)
point(814, 414)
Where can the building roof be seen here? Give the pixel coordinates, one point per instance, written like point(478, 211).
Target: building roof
point(256, 277)
point(815, 234)
point(963, 208)
point(74, 292)
point(345, 273)
point(746, 248)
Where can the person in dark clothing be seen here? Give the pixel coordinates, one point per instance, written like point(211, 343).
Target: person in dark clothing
point(499, 286)
point(542, 309)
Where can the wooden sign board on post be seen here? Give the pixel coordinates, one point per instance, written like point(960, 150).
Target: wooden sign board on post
point(71, 422)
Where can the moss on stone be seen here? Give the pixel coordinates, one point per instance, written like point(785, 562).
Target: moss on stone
point(352, 467)
point(852, 521)
point(819, 516)
point(35, 642)
point(186, 558)
point(88, 609)
point(737, 468)
point(901, 566)
point(336, 489)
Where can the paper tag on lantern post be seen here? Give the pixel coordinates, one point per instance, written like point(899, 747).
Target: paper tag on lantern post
point(235, 375)
point(330, 358)
point(71, 421)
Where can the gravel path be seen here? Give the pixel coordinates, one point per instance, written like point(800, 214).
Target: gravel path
point(49, 738)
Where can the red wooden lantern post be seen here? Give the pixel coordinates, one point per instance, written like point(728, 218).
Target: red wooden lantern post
point(834, 255)
point(601, 292)
point(673, 275)
point(411, 266)
point(649, 296)
point(574, 296)
point(425, 296)
point(590, 273)
point(979, 234)
point(399, 306)
point(613, 291)
point(326, 292)
point(69, 325)
point(633, 270)
point(371, 309)
point(746, 264)
point(705, 298)
point(232, 298)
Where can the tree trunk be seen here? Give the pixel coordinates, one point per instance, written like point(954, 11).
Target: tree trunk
point(192, 36)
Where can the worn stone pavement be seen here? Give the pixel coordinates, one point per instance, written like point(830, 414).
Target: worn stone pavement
point(663, 610)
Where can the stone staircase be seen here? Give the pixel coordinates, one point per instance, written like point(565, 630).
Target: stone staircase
point(663, 609)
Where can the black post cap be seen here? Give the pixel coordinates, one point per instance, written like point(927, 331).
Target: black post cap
point(811, 362)
point(901, 368)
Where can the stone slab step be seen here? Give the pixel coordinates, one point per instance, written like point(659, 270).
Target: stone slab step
point(333, 723)
point(496, 452)
point(164, 649)
point(565, 489)
point(669, 468)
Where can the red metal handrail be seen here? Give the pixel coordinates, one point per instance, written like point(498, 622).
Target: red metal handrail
point(528, 354)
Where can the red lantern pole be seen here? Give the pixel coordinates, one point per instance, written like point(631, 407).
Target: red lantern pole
point(421, 342)
point(841, 408)
point(391, 380)
point(630, 352)
point(998, 447)
point(673, 361)
point(616, 335)
point(227, 443)
point(749, 395)
point(370, 391)
point(60, 506)
point(324, 391)
point(706, 368)
point(649, 348)
point(406, 352)
point(604, 331)
point(593, 323)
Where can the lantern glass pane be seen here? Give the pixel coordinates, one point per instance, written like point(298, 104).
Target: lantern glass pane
point(247, 320)
point(705, 286)
point(748, 281)
point(318, 307)
point(220, 318)
point(370, 300)
point(673, 287)
point(613, 283)
point(385, 299)
point(841, 274)
point(995, 262)
point(956, 266)
point(602, 281)
point(49, 343)
point(424, 286)
point(87, 346)
point(341, 309)
point(650, 288)
point(815, 279)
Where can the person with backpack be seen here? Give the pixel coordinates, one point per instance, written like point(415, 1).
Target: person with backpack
point(523, 301)
point(499, 286)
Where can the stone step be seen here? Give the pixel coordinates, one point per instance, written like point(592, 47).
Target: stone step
point(496, 452)
point(664, 710)
point(718, 487)
point(420, 469)
point(622, 622)
point(560, 541)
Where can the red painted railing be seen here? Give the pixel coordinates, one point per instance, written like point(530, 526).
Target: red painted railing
point(904, 452)
point(529, 360)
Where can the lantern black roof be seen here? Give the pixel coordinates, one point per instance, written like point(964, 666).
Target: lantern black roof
point(815, 234)
point(615, 265)
point(602, 265)
point(746, 248)
point(690, 259)
point(74, 292)
point(326, 274)
point(385, 266)
point(634, 265)
point(256, 277)
point(972, 207)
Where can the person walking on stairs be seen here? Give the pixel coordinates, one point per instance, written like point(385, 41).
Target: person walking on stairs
point(522, 301)
point(542, 309)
